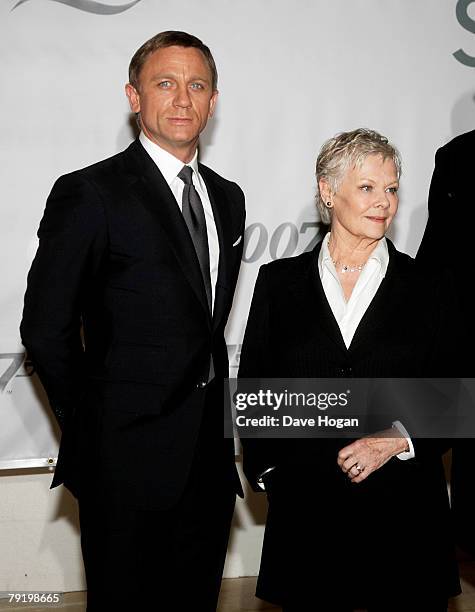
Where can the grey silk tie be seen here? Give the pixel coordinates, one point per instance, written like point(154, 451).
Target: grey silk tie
point(194, 215)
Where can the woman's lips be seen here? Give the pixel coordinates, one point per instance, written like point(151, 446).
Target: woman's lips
point(377, 219)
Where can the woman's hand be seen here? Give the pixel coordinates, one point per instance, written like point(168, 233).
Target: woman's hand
point(366, 455)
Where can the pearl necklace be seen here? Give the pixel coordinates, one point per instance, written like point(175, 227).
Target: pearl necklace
point(345, 268)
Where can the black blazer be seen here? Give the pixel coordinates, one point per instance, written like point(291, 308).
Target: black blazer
point(407, 331)
point(452, 214)
point(117, 325)
point(450, 228)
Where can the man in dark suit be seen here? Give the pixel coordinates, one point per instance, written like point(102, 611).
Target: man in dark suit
point(452, 202)
point(127, 301)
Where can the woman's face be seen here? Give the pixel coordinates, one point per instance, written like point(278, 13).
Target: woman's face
point(367, 199)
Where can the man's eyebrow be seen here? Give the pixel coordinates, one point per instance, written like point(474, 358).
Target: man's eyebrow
point(162, 75)
point(167, 75)
point(199, 78)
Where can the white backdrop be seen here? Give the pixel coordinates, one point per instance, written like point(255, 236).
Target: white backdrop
point(291, 75)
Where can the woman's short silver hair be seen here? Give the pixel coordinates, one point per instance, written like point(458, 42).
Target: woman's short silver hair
point(348, 150)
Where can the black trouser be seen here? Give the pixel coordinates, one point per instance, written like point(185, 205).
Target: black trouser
point(163, 560)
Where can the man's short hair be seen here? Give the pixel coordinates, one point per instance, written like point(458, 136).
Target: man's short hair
point(169, 38)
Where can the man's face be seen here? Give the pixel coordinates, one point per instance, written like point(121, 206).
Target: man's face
point(175, 98)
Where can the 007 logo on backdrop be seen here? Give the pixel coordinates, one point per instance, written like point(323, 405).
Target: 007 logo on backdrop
point(91, 6)
point(285, 241)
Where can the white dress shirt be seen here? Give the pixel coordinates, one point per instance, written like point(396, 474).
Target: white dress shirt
point(170, 166)
point(348, 314)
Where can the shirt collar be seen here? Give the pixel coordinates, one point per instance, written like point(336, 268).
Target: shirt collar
point(380, 255)
point(168, 164)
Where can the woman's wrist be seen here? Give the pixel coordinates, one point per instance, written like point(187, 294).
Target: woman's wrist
point(400, 442)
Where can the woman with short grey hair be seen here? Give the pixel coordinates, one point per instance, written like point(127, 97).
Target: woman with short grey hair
point(348, 149)
point(360, 523)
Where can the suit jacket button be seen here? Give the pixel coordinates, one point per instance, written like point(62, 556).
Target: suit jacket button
point(345, 372)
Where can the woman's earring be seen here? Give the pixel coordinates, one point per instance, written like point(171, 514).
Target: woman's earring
point(328, 204)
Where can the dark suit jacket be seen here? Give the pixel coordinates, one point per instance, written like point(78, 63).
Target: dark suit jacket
point(116, 261)
point(448, 242)
point(452, 216)
point(317, 518)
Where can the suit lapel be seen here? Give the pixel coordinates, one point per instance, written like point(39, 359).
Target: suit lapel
point(376, 315)
point(152, 190)
point(222, 218)
point(379, 310)
point(326, 318)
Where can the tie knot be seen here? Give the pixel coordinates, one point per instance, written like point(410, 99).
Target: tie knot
point(185, 174)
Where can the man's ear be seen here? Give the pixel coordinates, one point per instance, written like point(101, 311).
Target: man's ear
point(133, 97)
point(212, 102)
